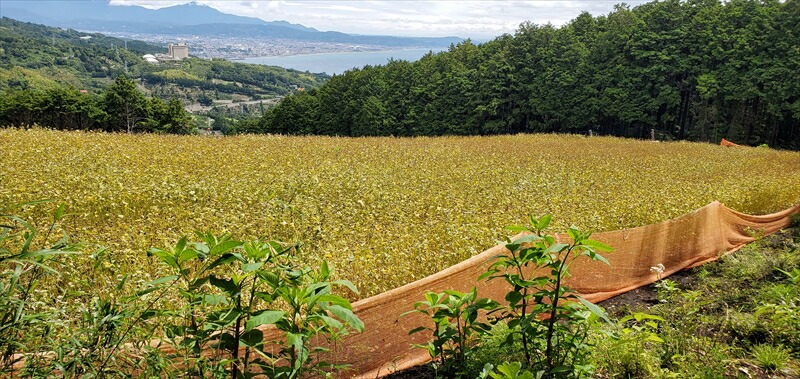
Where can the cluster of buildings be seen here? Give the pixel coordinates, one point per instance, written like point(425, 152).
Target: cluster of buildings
point(175, 52)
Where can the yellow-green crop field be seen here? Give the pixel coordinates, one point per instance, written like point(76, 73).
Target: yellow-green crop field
point(383, 211)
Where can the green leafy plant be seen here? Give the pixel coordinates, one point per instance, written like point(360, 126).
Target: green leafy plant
point(793, 276)
point(625, 352)
point(550, 320)
point(22, 269)
point(231, 289)
point(505, 371)
point(644, 325)
point(666, 289)
point(456, 326)
point(782, 322)
point(770, 358)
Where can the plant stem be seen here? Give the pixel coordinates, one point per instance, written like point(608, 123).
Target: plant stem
point(237, 335)
point(551, 323)
point(524, 310)
point(249, 309)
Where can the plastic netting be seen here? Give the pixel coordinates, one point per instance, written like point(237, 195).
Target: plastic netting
point(704, 235)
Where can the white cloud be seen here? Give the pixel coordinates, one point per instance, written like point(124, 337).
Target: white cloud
point(481, 19)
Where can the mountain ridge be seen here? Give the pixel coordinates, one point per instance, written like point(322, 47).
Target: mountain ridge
point(188, 18)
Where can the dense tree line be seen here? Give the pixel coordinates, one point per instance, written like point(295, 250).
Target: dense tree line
point(694, 69)
point(120, 108)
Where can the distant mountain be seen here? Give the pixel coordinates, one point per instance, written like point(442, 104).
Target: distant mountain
point(275, 31)
point(89, 13)
point(190, 18)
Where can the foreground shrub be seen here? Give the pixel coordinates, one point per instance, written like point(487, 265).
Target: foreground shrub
point(456, 328)
point(545, 319)
point(230, 289)
point(550, 320)
point(22, 268)
point(219, 298)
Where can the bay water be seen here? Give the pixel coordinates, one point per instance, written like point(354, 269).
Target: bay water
point(337, 63)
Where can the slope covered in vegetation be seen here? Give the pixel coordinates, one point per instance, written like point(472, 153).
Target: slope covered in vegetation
point(37, 57)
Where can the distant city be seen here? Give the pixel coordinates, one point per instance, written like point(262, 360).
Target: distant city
point(240, 48)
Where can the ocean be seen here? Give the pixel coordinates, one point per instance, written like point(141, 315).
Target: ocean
point(337, 63)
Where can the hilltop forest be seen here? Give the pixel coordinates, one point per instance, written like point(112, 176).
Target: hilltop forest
point(696, 69)
point(41, 67)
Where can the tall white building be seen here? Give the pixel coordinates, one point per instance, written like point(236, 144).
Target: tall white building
point(178, 51)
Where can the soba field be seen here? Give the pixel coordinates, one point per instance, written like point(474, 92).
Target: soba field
point(382, 211)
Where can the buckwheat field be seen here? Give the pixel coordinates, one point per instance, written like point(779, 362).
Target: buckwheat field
point(382, 211)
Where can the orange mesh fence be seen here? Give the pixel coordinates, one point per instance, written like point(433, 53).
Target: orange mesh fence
point(727, 143)
point(685, 242)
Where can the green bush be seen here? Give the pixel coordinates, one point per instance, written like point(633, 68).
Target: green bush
point(770, 358)
point(229, 289)
point(456, 328)
point(219, 295)
point(546, 319)
point(23, 267)
point(630, 350)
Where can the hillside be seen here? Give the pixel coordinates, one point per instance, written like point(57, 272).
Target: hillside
point(35, 56)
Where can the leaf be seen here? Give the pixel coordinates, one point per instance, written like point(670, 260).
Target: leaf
point(597, 245)
point(513, 298)
point(165, 256)
point(59, 212)
point(226, 285)
point(599, 312)
point(348, 317)
point(347, 284)
point(186, 254)
point(331, 322)
point(224, 247)
point(528, 238)
point(181, 244)
point(654, 338)
point(417, 329)
point(324, 270)
point(513, 371)
point(252, 338)
point(263, 318)
point(222, 260)
point(162, 280)
point(557, 248)
point(335, 300)
point(215, 299)
point(560, 369)
point(544, 222)
point(250, 267)
point(598, 257)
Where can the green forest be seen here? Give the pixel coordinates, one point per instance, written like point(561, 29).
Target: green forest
point(121, 107)
point(42, 67)
point(700, 70)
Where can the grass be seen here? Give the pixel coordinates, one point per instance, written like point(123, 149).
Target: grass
point(383, 211)
point(771, 358)
point(719, 323)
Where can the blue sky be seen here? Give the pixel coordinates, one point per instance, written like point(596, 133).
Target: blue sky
point(479, 19)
